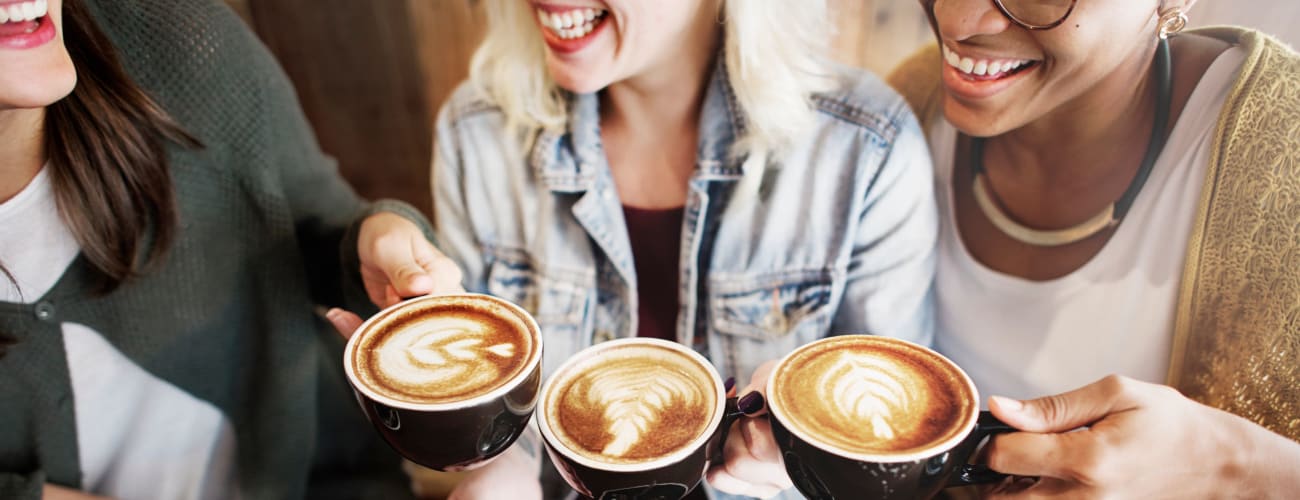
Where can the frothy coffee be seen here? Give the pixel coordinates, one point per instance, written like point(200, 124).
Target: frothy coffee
point(631, 403)
point(873, 396)
point(443, 349)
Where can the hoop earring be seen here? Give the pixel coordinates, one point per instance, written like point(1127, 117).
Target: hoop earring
point(1172, 22)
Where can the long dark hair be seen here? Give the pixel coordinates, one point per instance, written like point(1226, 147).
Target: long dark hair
point(107, 148)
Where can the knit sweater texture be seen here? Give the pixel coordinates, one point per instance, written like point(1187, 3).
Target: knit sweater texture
point(267, 228)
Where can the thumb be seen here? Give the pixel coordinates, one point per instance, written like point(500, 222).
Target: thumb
point(1066, 411)
point(402, 268)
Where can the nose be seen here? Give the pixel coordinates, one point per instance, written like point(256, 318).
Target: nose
point(965, 19)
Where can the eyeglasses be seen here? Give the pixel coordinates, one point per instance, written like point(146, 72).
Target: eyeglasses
point(1029, 14)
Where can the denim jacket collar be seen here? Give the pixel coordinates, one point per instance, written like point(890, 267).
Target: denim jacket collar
point(571, 160)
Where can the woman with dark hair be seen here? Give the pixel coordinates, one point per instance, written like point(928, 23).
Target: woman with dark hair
point(167, 224)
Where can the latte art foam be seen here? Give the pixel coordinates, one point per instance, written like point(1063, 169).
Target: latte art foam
point(872, 396)
point(442, 354)
point(638, 403)
point(865, 394)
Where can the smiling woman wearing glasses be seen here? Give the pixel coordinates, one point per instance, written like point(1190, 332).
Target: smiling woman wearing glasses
point(1119, 239)
point(1120, 210)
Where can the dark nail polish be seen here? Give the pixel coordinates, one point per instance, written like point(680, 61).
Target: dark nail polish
point(751, 403)
point(731, 382)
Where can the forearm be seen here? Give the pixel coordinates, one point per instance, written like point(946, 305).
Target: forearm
point(1274, 467)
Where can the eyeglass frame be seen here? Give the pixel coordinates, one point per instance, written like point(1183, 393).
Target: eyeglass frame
point(929, 4)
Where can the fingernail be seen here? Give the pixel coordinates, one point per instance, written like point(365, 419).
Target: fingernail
point(731, 382)
point(751, 403)
point(1008, 403)
point(332, 314)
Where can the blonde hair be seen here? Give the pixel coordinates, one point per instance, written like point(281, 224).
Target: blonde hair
point(775, 55)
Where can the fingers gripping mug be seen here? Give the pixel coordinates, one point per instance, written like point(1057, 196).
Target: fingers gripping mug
point(448, 381)
point(861, 416)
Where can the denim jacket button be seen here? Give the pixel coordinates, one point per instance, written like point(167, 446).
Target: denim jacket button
point(774, 321)
point(45, 311)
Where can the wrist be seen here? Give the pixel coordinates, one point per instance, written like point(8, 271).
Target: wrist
point(1237, 454)
point(1273, 464)
point(385, 218)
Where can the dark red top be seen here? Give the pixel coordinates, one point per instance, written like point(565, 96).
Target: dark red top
point(656, 238)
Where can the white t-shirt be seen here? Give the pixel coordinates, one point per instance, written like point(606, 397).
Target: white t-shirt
point(1115, 314)
point(138, 436)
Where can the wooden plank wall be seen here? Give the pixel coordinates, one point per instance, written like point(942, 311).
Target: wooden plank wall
point(372, 74)
point(360, 75)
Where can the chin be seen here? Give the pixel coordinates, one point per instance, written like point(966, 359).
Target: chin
point(975, 122)
point(39, 93)
point(579, 85)
point(575, 77)
point(37, 82)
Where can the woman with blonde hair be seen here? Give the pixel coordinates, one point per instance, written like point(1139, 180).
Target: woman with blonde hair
point(691, 170)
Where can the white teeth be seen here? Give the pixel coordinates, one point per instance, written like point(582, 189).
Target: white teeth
point(26, 11)
point(576, 23)
point(981, 67)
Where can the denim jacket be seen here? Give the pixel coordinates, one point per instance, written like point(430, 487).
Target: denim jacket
point(834, 236)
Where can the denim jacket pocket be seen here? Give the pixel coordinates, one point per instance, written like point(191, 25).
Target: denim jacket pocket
point(771, 305)
point(556, 300)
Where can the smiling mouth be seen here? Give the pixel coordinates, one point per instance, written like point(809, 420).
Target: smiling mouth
point(23, 17)
point(986, 69)
point(571, 24)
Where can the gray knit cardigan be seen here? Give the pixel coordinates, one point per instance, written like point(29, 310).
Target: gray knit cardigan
point(228, 315)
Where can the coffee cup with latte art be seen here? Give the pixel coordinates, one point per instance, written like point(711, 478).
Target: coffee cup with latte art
point(860, 416)
point(634, 418)
point(449, 381)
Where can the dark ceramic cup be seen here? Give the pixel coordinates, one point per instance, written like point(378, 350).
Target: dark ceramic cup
point(635, 419)
point(868, 395)
point(448, 381)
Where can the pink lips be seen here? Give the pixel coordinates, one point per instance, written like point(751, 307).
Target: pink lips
point(571, 45)
point(26, 34)
point(977, 87)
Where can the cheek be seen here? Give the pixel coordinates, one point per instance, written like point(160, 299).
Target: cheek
point(1085, 64)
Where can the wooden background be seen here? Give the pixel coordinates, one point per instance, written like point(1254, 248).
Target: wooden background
point(372, 74)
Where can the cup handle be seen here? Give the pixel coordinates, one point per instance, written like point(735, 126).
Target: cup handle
point(730, 414)
point(967, 473)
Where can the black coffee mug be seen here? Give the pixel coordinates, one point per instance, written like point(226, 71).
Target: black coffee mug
point(668, 478)
point(823, 475)
point(823, 472)
point(460, 435)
